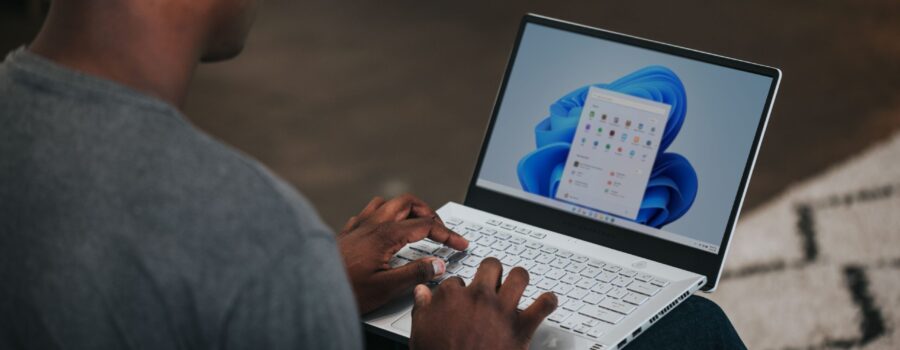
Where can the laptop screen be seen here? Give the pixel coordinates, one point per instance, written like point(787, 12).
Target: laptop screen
point(648, 141)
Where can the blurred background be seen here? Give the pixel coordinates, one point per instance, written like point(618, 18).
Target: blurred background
point(348, 99)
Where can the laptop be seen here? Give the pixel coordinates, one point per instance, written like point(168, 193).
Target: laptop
point(613, 169)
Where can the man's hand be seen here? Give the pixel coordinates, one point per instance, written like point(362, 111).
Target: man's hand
point(480, 316)
point(369, 240)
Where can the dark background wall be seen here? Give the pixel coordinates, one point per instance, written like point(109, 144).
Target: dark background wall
point(351, 99)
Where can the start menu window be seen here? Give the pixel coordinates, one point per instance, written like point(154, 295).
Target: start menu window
point(612, 154)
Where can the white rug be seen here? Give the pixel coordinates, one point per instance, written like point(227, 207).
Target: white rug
point(819, 266)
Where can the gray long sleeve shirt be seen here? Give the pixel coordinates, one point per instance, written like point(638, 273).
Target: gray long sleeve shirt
point(122, 226)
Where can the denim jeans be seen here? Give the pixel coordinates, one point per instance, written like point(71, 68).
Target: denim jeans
point(697, 323)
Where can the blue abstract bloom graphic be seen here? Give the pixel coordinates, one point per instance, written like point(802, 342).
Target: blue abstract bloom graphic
point(673, 182)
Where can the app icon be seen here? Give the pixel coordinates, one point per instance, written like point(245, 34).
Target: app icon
point(649, 143)
point(631, 153)
point(592, 114)
point(603, 117)
point(640, 126)
point(624, 137)
point(652, 129)
point(616, 120)
point(607, 146)
point(587, 127)
point(612, 133)
point(612, 173)
point(627, 123)
point(637, 139)
point(583, 140)
point(596, 143)
point(576, 164)
point(599, 130)
point(619, 150)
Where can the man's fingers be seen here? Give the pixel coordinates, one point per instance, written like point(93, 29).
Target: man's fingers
point(512, 288)
point(531, 318)
point(419, 271)
point(422, 297)
point(488, 275)
point(354, 221)
point(414, 230)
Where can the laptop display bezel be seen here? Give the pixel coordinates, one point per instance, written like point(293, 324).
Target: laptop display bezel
point(615, 237)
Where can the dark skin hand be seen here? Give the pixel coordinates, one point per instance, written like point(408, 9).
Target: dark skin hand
point(369, 240)
point(444, 320)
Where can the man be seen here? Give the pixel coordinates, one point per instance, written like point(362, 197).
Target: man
point(122, 226)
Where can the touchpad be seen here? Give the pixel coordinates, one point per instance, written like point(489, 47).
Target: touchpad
point(404, 323)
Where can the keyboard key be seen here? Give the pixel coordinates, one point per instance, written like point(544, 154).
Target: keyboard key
point(517, 241)
point(570, 278)
point(612, 268)
point(605, 277)
point(453, 221)
point(467, 272)
point(617, 293)
point(564, 254)
point(596, 263)
point(627, 273)
point(530, 291)
point(559, 315)
point(555, 274)
point(562, 288)
point(575, 267)
point(539, 269)
point(602, 288)
point(481, 251)
point(586, 283)
point(510, 260)
point(502, 235)
point(523, 230)
point(533, 245)
point(568, 324)
point(578, 293)
point(643, 277)
point(515, 249)
point(507, 226)
point(474, 227)
point(659, 282)
point(425, 246)
point(538, 235)
point(472, 236)
point(601, 314)
point(581, 329)
point(493, 222)
point(593, 298)
point(410, 254)
point(591, 272)
point(529, 254)
point(444, 252)
point(488, 231)
point(471, 261)
point(595, 333)
point(617, 306)
point(527, 265)
point(580, 259)
point(559, 263)
point(634, 298)
point(544, 259)
point(525, 303)
point(500, 245)
point(487, 241)
point(620, 281)
point(547, 284)
point(549, 250)
point(643, 288)
point(454, 267)
point(573, 305)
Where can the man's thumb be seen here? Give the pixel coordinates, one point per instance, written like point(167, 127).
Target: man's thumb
point(419, 271)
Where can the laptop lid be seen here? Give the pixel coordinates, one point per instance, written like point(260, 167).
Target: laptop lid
point(629, 143)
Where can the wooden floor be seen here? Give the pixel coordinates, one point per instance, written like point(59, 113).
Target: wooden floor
point(350, 100)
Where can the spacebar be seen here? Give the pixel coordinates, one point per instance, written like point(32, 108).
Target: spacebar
point(601, 314)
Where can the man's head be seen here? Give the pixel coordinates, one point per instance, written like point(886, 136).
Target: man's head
point(230, 22)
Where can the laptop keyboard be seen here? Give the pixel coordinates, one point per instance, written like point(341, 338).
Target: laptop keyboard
point(593, 295)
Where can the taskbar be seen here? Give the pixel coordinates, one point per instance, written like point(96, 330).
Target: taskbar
point(599, 216)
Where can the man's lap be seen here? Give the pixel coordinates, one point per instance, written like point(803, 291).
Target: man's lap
point(697, 323)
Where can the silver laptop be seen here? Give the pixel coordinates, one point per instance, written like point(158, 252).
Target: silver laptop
point(613, 169)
